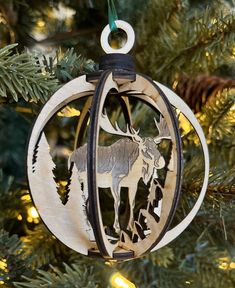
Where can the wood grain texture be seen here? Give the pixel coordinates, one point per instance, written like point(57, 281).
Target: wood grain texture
point(82, 121)
point(65, 222)
point(124, 163)
point(104, 85)
point(131, 179)
point(178, 103)
point(154, 96)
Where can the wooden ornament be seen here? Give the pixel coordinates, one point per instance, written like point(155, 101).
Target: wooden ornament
point(130, 163)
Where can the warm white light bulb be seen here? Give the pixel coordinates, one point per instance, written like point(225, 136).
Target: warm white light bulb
point(33, 212)
point(119, 281)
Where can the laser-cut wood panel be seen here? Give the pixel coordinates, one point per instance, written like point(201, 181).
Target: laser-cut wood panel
point(122, 164)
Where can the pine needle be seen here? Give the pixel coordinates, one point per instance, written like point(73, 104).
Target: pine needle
point(21, 77)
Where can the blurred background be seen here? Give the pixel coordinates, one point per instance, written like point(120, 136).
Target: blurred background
point(189, 46)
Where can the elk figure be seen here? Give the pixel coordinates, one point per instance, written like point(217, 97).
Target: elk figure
point(123, 163)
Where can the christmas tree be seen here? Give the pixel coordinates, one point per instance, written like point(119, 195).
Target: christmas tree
point(188, 46)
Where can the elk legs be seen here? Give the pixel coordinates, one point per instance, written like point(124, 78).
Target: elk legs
point(131, 194)
point(116, 224)
point(116, 196)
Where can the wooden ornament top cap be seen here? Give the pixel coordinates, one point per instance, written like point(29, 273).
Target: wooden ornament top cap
point(117, 61)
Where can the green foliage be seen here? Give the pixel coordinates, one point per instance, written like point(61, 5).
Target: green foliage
point(205, 272)
point(9, 197)
point(219, 121)
point(75, 276)
point(13, 260)
point(21, 76)
point(146, 274)
point(68, 66)
point(13, 141)
point(182, 42)
point(43, 246)
point(162, 257)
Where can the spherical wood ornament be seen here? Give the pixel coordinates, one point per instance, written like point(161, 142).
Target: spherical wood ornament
point(114, 161)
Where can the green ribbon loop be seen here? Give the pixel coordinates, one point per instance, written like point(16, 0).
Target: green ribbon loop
point(112, 14)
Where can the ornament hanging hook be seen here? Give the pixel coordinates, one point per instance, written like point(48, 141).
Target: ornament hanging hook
point(130, 38)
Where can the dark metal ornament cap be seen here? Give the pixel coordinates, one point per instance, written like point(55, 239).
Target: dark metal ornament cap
point(117, 61)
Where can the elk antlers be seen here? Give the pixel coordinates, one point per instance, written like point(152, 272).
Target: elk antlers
point(107, 126)
point(164, 132)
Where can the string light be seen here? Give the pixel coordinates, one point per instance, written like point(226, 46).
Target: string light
point(119, 281)
point(63, 183)
point(175, 84)
point(226, 264)
point(3, 265)
point(184, 124)
point(25, 198)
point(41, 23)
point(233, 52)
point(69, 112)
point(33, 215)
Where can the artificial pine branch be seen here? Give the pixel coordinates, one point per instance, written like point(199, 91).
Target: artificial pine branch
point(68, 66)
point(75, 276)
point(203, 268)
point(217, 117)
point(21, 76)
point(13, 259)
point(43, 246)
point(163, 257)
point(222, 169)
point(8, 199)
point(157, 276)
point(10, 196)
point(187, 43)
